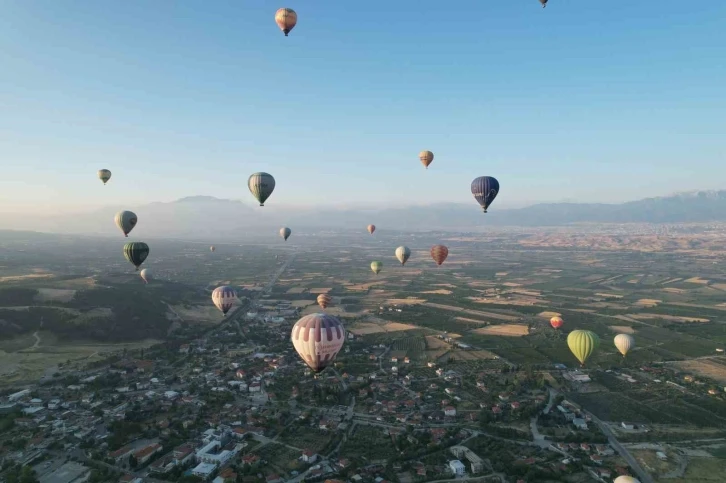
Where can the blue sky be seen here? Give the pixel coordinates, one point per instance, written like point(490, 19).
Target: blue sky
point(582, 101)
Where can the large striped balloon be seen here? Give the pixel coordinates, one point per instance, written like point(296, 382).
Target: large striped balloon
point(318, 338)
point(224, 298)
point(136, 253)
point(439, 253)
point(261, 186)
point(582, 344)
point(485, 189)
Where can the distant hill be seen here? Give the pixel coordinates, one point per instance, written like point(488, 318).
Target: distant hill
point(203, 216)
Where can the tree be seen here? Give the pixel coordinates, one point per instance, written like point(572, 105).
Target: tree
point(133, 461)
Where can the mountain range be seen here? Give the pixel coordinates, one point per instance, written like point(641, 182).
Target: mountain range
point(204, 216)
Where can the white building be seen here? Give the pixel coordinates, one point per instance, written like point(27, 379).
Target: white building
point(457, 467)
point(204, 470)
point(171, 395)
point(19, 395)
point(210, 453)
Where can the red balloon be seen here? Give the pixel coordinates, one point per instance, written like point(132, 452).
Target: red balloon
point(556, 322)
point(439, 253)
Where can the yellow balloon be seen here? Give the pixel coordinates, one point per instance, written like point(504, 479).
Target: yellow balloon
point(582, 343)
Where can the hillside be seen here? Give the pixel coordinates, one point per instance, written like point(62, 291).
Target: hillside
point(202, 216)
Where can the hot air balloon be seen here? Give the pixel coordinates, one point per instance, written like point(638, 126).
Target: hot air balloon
point(285, 232)
point(624, 343)
point(582, 343)
point(556, 322)
point(403, 253)
point(485, 189)
point(426, 158)
point(126, 221)
point(376, 267)
point(286, 18)
point(212, 248)
point(324, 300)
point(626, 479)
point(104, 175)
point(371, 229)
point(136, 253)
point(261, 185)
point(318, 338)
point(224, 298)
point(439, 253)
point(543, 2)
point(146, 275)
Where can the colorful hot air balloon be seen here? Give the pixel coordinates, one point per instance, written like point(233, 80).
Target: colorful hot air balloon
point(212, 248)
point(426, 158)
point(626, 479)
point(126, 221)
point(286, 18)
point(624, 343)
point(582, 343)
point(104, 175)
point(403, 253)
point(136, 253)
point(146, 275)
point(556, 322)
point(324, 300)
point(376, 267)
point(439, 253)
point(485, 189)
point(371, 229)
point(285, 232)
point(318, 338)
point(261, 185)
point(224, 298)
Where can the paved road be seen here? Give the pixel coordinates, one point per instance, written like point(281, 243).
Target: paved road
point(643, 475)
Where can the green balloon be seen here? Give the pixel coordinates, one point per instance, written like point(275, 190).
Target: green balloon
point(376, 267)
point(136, 253)
point(583, 343)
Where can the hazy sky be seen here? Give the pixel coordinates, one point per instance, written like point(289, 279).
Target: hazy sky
point(584, 100)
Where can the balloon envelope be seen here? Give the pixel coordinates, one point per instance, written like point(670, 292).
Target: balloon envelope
point(286, 19)
point(624, 343)
point(626, 479)
point(371, 229)
point(324, 300)
point(212, 248)
point(543, 2)
point(582, 343)
point(556, 322)
point(224, 298)
point(403, 253)
point(439, 253)
point(146, 275)
point(376, 267)
point(318, 338)
point(285, 232)
point(261, 186)
point(485, 189)
point(136, 253)
point(426, 158)
point(126, 221)
point(104, 175)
